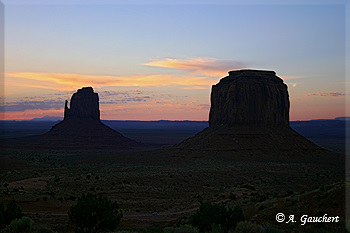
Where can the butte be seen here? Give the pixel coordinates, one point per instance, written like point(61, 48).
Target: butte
point(249, 115)
point(82, 127)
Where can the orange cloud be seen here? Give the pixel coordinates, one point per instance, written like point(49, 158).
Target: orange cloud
point(292, 84)
point(196, 87)
point(205, 66)
point(66, 81)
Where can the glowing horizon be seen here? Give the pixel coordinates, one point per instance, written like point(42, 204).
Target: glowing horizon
point(198, 111)
point(158, 62)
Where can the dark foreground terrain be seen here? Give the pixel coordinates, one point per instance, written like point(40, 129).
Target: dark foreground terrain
point(46, 183)
point(173, 182)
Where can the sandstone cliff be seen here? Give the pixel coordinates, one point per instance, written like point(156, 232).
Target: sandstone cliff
point(250, 97)
point(82, 128)
point(84, 104)
point(249, 115)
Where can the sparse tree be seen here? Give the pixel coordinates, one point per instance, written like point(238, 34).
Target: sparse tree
point(94, 213)
point(248, 227)
point(12, 212)
point(2, 215)
point(216, 214)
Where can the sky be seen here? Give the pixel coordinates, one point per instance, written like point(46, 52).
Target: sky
point(157, 60)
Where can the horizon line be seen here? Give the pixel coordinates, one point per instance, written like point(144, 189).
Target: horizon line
point(42, 119)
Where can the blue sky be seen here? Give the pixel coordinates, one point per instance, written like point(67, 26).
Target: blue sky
point(171, 53)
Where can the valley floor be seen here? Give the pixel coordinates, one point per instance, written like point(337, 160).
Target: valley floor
point(173, 183)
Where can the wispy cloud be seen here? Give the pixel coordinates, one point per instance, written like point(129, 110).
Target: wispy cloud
point(196, 87)
point(204, 66)
point(30, 105)
point(331, 94)
point(127, 99)
point(291, 77)
point(204, 106)
point(292, 84)
point(56, 100)
point(66, 81)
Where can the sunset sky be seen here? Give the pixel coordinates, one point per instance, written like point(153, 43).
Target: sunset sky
point(157, 60)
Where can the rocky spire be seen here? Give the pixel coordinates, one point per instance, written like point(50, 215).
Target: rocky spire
point(84, 104)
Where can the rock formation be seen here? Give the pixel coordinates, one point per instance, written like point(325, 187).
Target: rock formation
point(250, 97)
point(249, 114)
point(82, 128)
point(84, 104)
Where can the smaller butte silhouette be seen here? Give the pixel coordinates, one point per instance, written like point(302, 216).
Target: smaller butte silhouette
point(82, 128)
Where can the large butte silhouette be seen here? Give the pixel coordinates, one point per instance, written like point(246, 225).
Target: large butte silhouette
point(82, 128)
point(249, 114)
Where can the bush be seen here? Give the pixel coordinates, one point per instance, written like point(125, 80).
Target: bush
point(217, 229)
point(43, 229)
point(2, 215)
point(11, 212)
point(151, 229)
point(169, 230)
point(181, 229)
point(270, 229)
point(185, 229)
point(93, 213)
point(210, 214)
point(248, 227)
point(20, 225)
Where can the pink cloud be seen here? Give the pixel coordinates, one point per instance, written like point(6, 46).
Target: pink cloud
point(331, 94)
point(205, 66)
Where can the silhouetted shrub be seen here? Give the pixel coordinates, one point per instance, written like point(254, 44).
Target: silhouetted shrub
point(15, 189)
point(2, 215)
point(43, 229)
point(12, 212)
point(93, 213)
point(23, 224)
point(215, 228)
point(181, 229)
point(209, 214)
point(233, 196)
point(151, 229)
point(248, 227)
point(270, 229)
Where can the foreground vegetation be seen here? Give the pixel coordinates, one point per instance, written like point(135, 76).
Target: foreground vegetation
point(160, 193)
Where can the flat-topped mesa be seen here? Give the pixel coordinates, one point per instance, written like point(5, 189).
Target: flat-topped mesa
point(84, 104)
point(251, 98)
point(249, 116)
